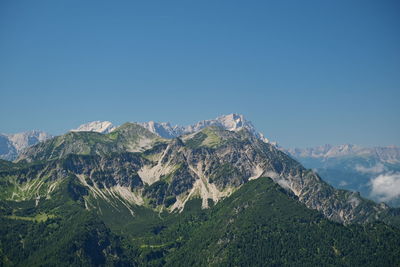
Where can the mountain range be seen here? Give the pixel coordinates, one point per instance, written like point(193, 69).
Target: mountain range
point(13, 144)
point(374, 172)
point(216, 193)
point(370, 171)
point(231, 122)
point(389, 154)
point(210, 163)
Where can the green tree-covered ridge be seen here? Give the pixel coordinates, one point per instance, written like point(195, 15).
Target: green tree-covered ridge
point(259, 224)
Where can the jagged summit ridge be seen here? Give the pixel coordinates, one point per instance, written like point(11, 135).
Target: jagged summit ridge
point(231, 122)
point(96, 126)
point(11, 145)
point(163, 129)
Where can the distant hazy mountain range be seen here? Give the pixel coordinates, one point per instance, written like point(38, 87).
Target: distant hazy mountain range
point(12, 144)
point(388, 154)
point(374, 172)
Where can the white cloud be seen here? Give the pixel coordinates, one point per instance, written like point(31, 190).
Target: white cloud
point(378, 168)
point(272, 175)
point(354, 200)
point(283, 183)
point(386, 186)
point(278, 179)
point(343, 183)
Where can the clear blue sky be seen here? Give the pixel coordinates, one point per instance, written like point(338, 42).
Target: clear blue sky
point(305, 72)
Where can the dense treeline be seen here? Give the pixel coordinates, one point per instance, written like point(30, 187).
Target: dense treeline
point(258, 225)
point(58, 232)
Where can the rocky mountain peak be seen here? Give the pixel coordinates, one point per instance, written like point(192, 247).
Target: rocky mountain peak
point(96, 126)
point(231, 122)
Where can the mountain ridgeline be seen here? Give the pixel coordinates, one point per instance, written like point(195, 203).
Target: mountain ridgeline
point(210, 164)
point(207, 197)
point(11, 145)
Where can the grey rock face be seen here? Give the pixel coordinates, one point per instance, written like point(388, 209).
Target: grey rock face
point(13, 144)
point(96, 126)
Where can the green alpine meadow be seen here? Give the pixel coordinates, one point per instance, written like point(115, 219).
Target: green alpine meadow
point(213, 197)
